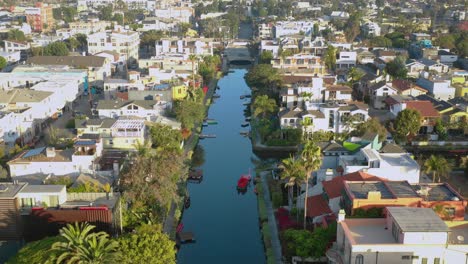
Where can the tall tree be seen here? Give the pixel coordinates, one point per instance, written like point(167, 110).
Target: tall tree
point(294, 173)
point(397, 68)
point(407, 123)
point(312, 160)
point(330, 58)
point(16, 35)
point(263, 105)
point(264, 79)
point(372, 125)
point(438, 166)
point(56, 49)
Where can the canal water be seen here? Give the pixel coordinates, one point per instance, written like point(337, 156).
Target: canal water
point(224, 222)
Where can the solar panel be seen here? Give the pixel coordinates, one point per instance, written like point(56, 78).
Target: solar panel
point(33, 152)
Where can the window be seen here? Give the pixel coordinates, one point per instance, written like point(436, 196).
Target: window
point(27, 202)
point(331, 119)
point(436, 260)
point(424, 261)
point(359, 259)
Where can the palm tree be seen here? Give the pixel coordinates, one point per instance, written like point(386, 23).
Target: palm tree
point(294, 173)
point(311, 159)
point(437, 165)
point(263, 105)
point(80, 245)
point(193, 58)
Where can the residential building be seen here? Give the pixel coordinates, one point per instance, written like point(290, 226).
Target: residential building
point(346, 59)
point(11, 228)
point(13, 46)
point(11, 56)
point(145, 109)
point(371, 29)
point(88, 27)
point(126, 43)
point(40, 17)
point(186, 46)
point(384, 89)
point(120, 133)
point(157, 23)
point(380, 194)
point(316, 47)
point(406, 235)
point(332, 116)
point(434, 66)
point(447, 58)
point(383, 165)
point(438, 87)
point(265, 31)
point(22, 112)
point(181, 14)
point(99, 68)
point(287, 28)
point(48, 160)
point(270, 45)
point(300, 62)
point(339, 15)
point(415, 68)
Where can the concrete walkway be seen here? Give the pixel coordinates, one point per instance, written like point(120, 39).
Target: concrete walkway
point(275, 242)
point(168, 226)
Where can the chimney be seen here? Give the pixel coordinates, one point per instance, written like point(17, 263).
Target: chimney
point(341, 215)
point(374, 195)
point(50, 152)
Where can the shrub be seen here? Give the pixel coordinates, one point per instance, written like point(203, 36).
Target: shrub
point(262, 211)
point(70, 124)
point(277, 199)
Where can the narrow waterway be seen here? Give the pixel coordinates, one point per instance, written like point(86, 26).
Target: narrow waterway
point(224, 222)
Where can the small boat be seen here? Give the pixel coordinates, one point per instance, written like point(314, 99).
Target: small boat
point(179, 228)
point(216, 96)
point(248, 119)
point(210, 121)
point(242, 96)
point(196, 175)
point(185, 237)
point(248, 96)
point(244, 133)
point(205, 124)
point(246, 103)
point(245, 124)
point(217, 87)
point(244, 181)
point(187, 202)
point(202, 136)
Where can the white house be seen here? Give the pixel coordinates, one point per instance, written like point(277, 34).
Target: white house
point(44, 161)
point(287, 28)
point(394, 166)
point(125, 42)
point(270, 45)
point(439, 88)
point(406, 235)
point(186, 46)
point(11, 56)
point(265, 30)
point(371, 29)
point(181, 14)
point(12, 46)
point(40, 195)
point(139, 108)
point(346, 59)
point(332, 116)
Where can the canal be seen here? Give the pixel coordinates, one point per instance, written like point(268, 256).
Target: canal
point(224, 222)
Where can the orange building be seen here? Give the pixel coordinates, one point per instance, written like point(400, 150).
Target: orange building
point(40, 17)
point(370, 194)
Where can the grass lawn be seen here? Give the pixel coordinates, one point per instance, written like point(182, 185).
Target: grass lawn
point(350, 146)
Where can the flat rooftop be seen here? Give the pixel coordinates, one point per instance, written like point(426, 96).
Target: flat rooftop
point(369, 231)
point(437, 192)
point(361, 189)
point(9, 190)
point(43, 188)
point(411, 219)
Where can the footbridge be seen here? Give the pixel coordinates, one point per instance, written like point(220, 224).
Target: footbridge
point(237, 52)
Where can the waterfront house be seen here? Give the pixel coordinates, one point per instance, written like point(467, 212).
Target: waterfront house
point(403, 236)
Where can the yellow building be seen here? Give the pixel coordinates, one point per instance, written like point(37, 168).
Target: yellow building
point(179, 92)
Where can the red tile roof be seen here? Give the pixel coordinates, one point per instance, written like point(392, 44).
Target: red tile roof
point(403, 85)
point(334, 187)
point(426, 108)
point(317, 206)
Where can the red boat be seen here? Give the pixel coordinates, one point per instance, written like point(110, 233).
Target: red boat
point(244, 181)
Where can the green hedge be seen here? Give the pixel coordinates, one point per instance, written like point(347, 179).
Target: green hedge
point(270, 256)
point(262, 211)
